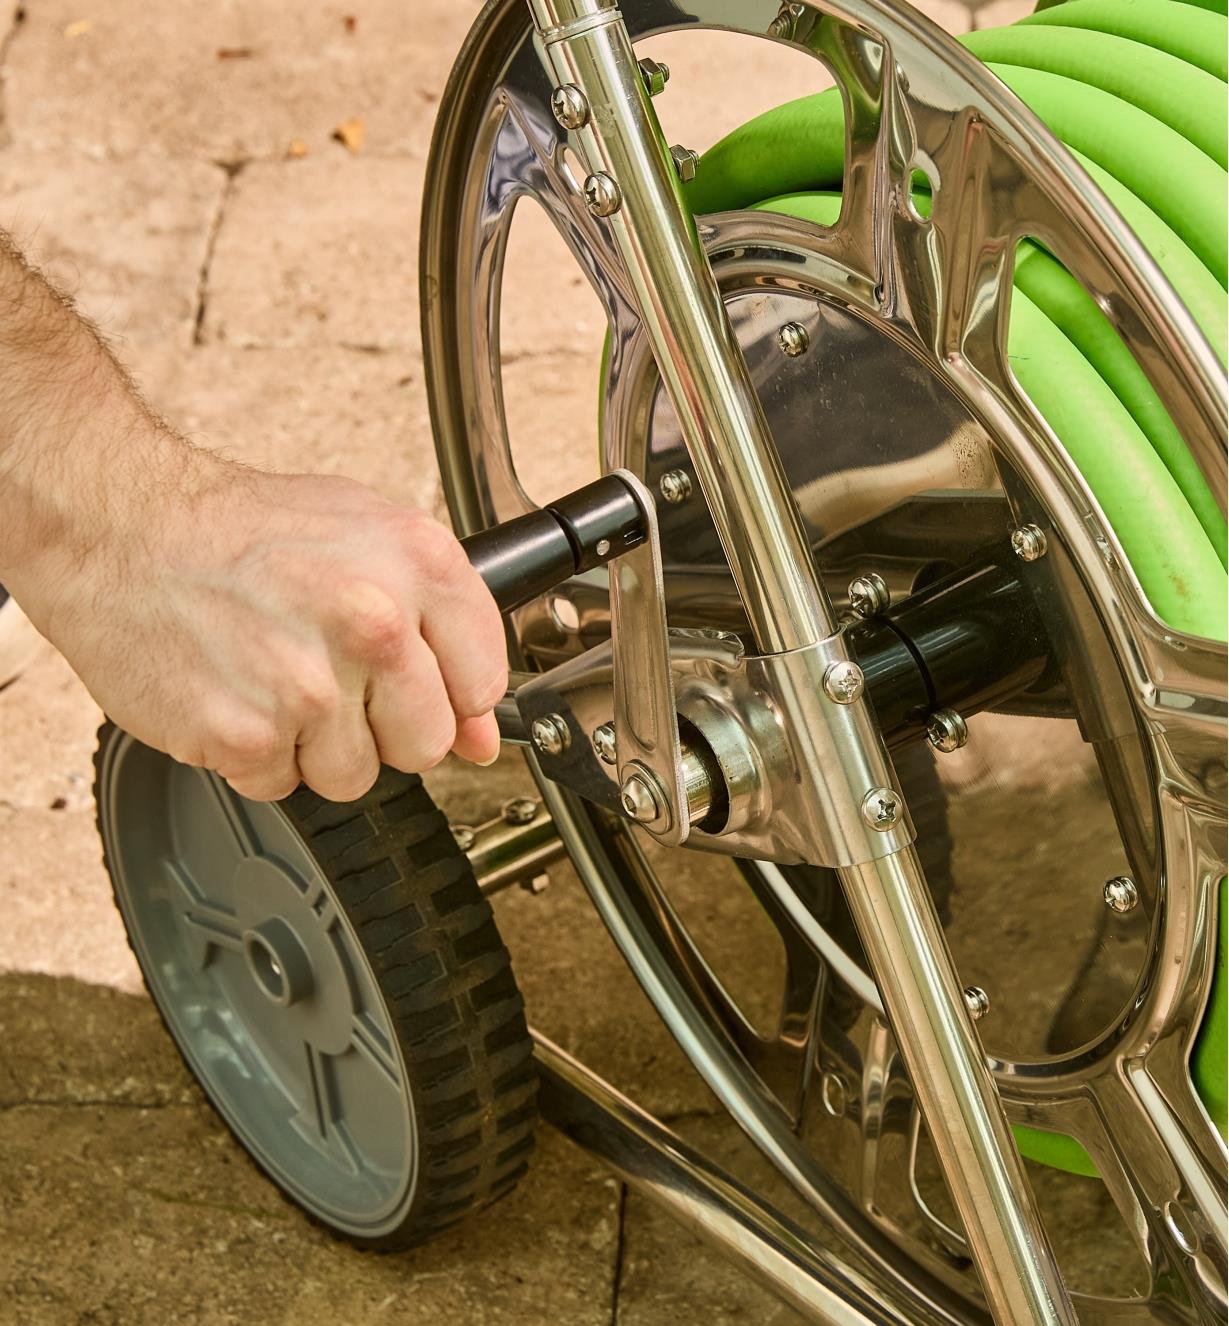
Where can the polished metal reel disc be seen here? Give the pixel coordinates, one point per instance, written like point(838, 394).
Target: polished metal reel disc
point(1074, 841)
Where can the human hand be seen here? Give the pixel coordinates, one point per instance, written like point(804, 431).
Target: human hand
point(282, 627)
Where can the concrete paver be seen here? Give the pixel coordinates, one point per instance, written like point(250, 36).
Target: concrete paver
point(126, 239)
point(228, 81)
point(318, 251)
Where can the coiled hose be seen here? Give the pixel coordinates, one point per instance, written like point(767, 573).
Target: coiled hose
point(1137, 90)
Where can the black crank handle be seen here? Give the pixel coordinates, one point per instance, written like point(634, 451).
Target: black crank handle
point(531, 554)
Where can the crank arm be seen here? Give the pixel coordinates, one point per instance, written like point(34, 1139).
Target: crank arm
point(611, 520)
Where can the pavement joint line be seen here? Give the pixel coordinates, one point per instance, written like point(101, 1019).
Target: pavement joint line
point(616, 1279)
point(55, 1103)
point(17, 17)
point(232, 171)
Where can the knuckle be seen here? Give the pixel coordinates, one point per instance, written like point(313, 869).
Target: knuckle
point(314, 691)
point(245, 740)
point(349, 785)
point(484, 695)
point(437, 555)
point(375, 625)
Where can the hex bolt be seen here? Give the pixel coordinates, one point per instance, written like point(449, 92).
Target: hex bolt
point(604, 743)
point(639, 799)
point(463, 835)
point(977, 1001)
point(843, 681)
point(685, 162)
point(1120, 894)
point(881, 808)
point(569, 106)
point(655, 75)
point(1028, 543)
point(869, 595)
point(675, 486)
point(946, 730)
point(550, 734)
point(794, 339)
point(520, 810)
point(603, 197)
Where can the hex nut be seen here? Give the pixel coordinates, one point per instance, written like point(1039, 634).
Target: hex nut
point(655, 75)
point(685, 162)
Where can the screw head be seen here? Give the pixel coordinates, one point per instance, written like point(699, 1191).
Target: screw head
point(834, 1094)
point(1028, 543)
point(794, 339)
point(462, 835)
point(869, 595)
point(881, 808)
point(843, 681)
point(602, 547)
point(520, 810)
point(639, 799)
point(685, 162)
point(603, 197)
point(1120, 894)
point(604, 743)
point(569, 107)
point(655, 75)
point(675, 486)
point(550, 734)
point(946, 730)
point(977, 1001)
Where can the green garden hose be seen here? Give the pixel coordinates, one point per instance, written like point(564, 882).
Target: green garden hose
point(1137, 90)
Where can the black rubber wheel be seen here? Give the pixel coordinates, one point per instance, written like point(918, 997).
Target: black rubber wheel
point(333, 977)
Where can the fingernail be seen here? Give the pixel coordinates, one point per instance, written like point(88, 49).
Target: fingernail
point(486, 764)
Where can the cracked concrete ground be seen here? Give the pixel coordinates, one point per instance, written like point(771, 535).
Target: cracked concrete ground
point(174, 168)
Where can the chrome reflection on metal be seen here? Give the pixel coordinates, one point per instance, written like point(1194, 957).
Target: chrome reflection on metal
point(946, 731)
point(1148, 1135)
point(1120, 894)
point(794, 339)
point(569, 106)
point(685, 162)
point(549, 734)
point(603, 197)
point(844, 682)
point(655, 75)
point(1028, 542)
point(604, 743)
point(515, 847)
point(869, 595)
point(645, 723)
point(675, 486)
point(977, 1001)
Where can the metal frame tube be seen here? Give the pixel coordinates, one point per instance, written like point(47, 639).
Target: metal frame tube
point(634, 185)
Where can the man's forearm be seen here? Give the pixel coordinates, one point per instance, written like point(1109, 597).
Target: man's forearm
point(81, 455)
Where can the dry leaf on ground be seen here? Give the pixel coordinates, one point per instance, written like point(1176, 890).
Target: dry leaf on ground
point(296, 148)
point(350, 134)
point(79, 28)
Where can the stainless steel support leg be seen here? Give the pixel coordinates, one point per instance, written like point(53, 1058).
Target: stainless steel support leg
point(633, 183)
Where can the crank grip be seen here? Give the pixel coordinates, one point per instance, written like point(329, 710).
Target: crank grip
point(531, 554)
